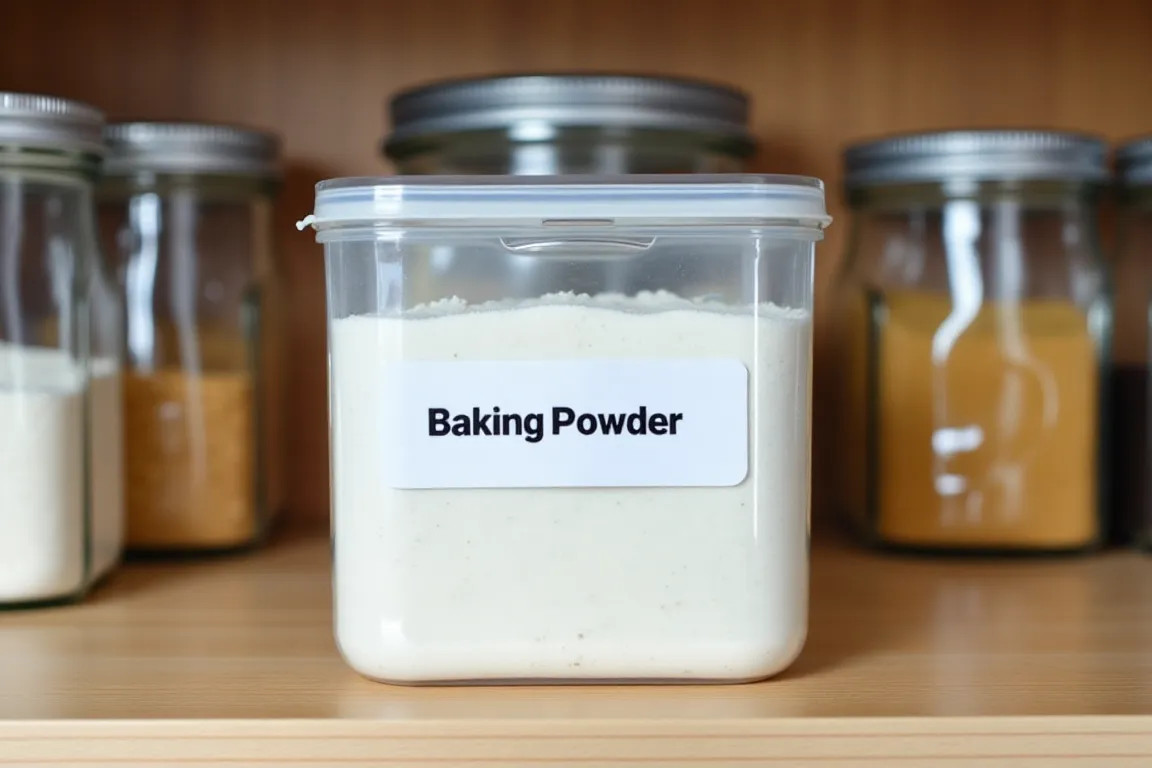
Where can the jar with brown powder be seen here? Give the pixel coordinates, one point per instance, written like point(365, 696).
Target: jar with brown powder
point(187, 208)
point(975, 322)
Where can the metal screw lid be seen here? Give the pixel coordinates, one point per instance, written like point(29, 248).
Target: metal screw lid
point(976, 155)
point(31, 121)
point(534, 104)
point(1134, 161)
point(202, 148)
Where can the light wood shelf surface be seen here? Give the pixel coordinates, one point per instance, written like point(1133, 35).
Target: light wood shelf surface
point(909, 661)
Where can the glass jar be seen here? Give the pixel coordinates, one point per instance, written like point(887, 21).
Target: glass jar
point(1131, 503)
point(528, 125)
point(598, 487)
point(974, 322)
point(61, 456)
point(569, 124)
point(188, 210)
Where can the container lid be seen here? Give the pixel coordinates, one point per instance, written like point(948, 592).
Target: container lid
point(1007, 155)
point(531, 106)
point(190, 148)
point(29, 121)
point(537, 200)
point(1134, 161)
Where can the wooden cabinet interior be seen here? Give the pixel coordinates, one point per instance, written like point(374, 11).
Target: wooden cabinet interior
point(821, 72)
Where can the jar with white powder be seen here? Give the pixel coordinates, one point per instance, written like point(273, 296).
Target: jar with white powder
point(61, 466)
point(561, 486)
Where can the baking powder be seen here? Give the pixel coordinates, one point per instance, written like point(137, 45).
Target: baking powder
point(573, 582)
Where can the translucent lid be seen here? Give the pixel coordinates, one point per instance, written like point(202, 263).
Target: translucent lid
point(485, 200)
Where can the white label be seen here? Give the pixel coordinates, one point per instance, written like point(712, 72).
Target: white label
point(605, 423)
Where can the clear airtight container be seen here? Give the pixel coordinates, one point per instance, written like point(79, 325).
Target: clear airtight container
point(551, 485)
point(61, 453)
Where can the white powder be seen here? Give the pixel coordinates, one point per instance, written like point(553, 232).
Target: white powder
point(43, 551)
point(594, 583)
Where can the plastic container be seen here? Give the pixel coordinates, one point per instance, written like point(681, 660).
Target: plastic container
point(551, 486)
point(187, 208)
point(975, 321)
point(1131, 458)
point(570, 124)
point(61, 453)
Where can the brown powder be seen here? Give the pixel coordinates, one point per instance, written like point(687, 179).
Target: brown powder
point(996, 447)
point(191, 459)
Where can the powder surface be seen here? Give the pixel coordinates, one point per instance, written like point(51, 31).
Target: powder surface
point(602, 583)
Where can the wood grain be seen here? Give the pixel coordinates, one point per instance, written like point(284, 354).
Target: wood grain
point(822, 73)
point(232, 662)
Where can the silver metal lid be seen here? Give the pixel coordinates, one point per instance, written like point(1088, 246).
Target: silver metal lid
point(190, 148)
point(976, 155)
point(30, 121)
point(1134, 161)
point(531, 105)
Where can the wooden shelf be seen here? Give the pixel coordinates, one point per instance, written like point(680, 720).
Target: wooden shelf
point(231, 661)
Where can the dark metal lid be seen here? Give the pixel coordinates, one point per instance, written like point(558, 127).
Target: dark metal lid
point(31, 121)
point(532, 105)
point(1134, 161)
point(190, 148)
point(976, 155)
